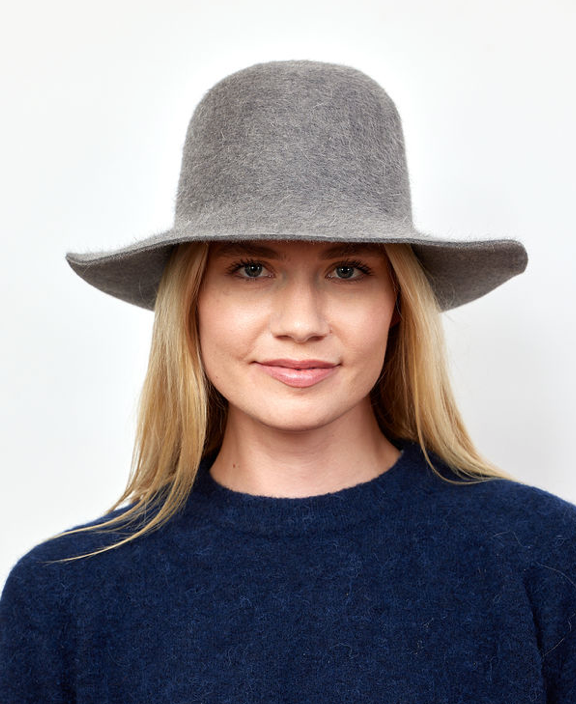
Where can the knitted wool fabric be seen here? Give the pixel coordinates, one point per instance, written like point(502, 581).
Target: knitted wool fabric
point(404, 589)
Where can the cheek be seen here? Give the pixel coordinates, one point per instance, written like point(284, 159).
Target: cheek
point(367, 330)
point(226, 329)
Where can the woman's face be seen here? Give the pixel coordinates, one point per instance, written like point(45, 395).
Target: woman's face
point(293, 334)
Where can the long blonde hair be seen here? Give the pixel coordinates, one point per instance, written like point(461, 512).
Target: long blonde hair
point(181, 417)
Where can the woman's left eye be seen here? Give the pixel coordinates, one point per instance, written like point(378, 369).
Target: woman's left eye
point(350, 271)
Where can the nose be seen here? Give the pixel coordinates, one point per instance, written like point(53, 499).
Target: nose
point(298, 312)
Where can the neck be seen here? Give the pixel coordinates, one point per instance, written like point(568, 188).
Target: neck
point(257, 459)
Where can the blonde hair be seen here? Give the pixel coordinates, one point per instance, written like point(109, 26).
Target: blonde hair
point(181, 417)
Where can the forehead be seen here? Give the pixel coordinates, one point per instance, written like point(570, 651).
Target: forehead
point(282, 250)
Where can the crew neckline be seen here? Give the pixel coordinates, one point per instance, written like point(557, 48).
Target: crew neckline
point(262, 514)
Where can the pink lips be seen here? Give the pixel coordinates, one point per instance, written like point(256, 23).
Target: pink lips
point(298, 373)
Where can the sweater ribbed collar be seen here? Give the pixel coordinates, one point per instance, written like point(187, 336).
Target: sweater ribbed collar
point(290, 516)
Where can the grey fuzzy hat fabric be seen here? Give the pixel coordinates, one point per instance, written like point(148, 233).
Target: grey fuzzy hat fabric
point(299, 150)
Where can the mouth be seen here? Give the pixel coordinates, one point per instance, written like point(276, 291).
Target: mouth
point(298, 373)
point(299, 364)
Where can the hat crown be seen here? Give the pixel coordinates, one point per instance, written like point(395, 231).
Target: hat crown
point(297, 141)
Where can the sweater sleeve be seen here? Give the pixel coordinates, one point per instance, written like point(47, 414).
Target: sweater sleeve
point(550, 578)
point(34, 636)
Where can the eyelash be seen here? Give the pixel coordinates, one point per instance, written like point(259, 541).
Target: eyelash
point(355, 264)
point(350, 263)
point(236, 266)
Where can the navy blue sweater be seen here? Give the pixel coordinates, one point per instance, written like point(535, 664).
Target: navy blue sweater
point(401, 590)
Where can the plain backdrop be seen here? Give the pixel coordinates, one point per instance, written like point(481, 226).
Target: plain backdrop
point(96, 98)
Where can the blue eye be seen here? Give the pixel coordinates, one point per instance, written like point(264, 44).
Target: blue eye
point(253, 270)
point(345, 272)
point(351, 271)
point(249, 270)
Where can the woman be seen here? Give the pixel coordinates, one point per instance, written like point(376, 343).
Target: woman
point(308, 519)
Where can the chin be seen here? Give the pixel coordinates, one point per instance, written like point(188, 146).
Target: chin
point(297, 422)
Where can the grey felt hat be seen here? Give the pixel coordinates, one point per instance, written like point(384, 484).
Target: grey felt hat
point(299, 150)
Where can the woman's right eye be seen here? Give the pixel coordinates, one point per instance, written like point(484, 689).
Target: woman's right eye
point(252, 270)
point(249, 270)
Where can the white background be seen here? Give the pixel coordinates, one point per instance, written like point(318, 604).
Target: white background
point(96, 98)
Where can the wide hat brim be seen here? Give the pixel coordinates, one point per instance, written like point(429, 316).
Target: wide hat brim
point(459, 271)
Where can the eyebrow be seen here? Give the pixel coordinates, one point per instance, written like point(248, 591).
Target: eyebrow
point(346, 249)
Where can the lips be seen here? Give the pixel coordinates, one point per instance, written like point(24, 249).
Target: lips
point(298, 373)
point(299, 364)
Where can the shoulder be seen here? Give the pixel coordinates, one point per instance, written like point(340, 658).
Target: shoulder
point(539, 521)
point(531, 508)
point(45, 600)
point(536, 526)
point(51, 571)
point(528, 527)
point(502, 515)
point(502, 503)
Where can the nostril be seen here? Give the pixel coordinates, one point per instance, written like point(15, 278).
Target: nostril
point(299, 320)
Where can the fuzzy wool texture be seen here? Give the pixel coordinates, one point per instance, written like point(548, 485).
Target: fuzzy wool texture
point(299, 150)
point(404, 589)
